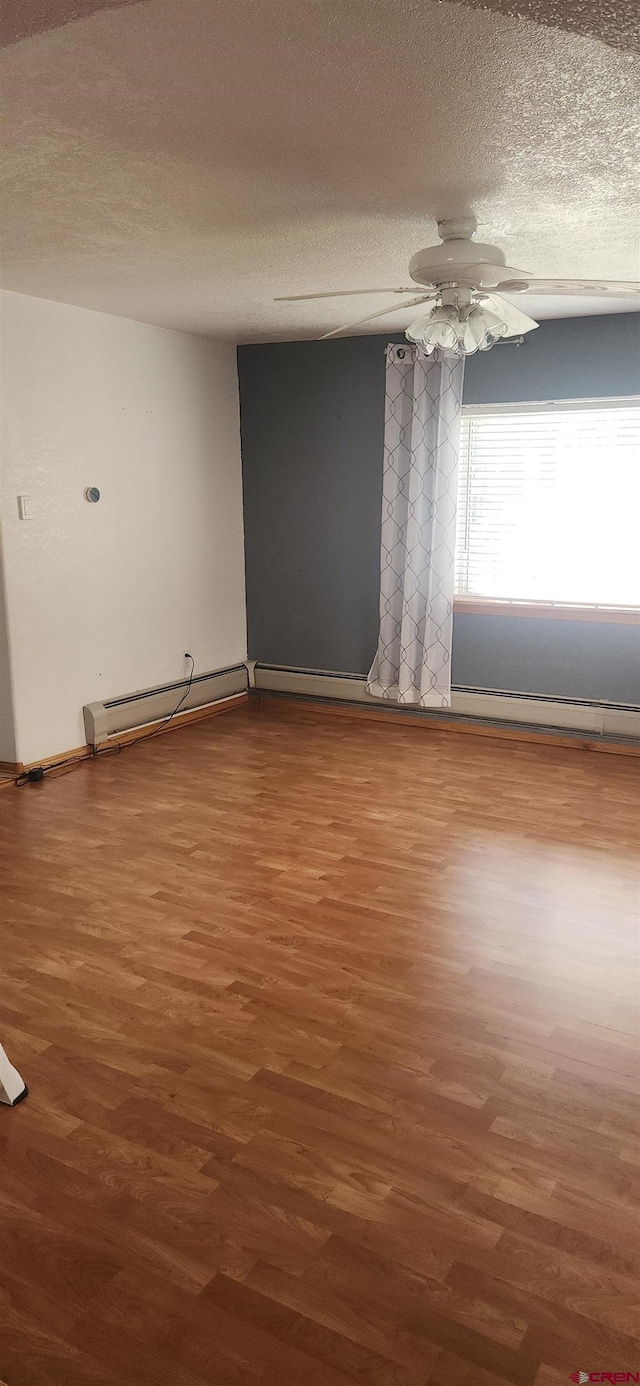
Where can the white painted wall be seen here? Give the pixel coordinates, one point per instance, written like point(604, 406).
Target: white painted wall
point(105, 599)
point(7, 729)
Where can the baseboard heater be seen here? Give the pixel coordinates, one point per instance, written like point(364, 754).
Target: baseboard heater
point(610, 720)
point(148, 705)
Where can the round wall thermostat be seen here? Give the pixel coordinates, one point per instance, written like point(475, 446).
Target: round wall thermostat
point(92, 494)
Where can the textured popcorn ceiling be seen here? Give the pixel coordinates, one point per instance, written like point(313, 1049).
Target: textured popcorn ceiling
point(183, 161)
point(21, 19)
point(614, 21)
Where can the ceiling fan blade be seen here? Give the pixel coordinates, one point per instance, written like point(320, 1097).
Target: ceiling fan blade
point(517, 321)
point(342, 293)
point(395, 308)
point(583, 288)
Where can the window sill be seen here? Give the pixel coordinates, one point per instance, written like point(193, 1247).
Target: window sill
point(554, 611)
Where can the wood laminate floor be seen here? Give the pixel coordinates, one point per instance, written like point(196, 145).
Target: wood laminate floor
point(330, 1031)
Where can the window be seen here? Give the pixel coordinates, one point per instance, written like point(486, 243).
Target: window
point(549, 503)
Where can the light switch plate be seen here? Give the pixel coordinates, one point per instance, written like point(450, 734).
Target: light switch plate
point(24, 508)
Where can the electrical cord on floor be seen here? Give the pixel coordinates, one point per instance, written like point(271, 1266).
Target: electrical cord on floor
point(28, 777)
point(156, 730)
point(64, 766)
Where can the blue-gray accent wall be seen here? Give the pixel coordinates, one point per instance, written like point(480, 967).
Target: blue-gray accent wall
point(312, 421)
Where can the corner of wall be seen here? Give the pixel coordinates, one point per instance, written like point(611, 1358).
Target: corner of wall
point(8, 747)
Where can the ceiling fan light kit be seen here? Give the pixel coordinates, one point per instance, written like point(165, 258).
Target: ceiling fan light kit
point(459, 279)
point(459, 325)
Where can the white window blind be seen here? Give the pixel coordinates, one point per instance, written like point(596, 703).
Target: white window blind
point(549, 503)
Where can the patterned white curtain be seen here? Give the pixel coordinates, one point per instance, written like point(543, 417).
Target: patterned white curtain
point(421, 444)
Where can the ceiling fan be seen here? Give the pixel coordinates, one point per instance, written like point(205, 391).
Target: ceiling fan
point(462, 282)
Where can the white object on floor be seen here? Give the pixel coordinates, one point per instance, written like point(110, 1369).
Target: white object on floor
point(12, 1086)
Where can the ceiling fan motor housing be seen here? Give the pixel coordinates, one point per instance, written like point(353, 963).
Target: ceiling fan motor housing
point(454, 261)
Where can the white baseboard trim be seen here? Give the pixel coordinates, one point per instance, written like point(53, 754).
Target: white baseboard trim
point(596, 719)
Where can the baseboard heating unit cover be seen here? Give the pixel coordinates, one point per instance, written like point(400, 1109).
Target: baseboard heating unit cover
point(481, 704)
point(116, 715)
